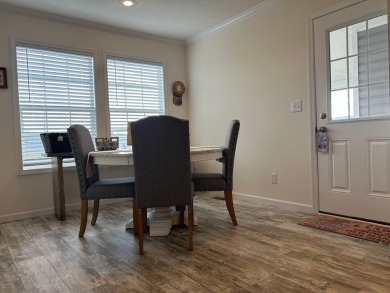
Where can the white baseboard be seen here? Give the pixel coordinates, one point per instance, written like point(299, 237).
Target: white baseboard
point(240, 196)
point(274, 202)
point(27, 215)
point(49, 211)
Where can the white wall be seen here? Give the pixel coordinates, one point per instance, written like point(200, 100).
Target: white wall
point(251, 71)
point(25, 195)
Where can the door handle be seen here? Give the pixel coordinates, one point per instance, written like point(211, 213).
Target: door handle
point(322, 129)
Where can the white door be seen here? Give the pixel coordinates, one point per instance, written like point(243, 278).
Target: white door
point(352, 102)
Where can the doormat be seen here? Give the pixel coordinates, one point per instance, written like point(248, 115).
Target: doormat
point(358, 229)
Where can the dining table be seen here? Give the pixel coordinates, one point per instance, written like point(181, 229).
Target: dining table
point(160, 220)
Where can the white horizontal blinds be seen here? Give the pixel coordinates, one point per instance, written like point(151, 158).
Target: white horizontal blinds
point(56, 89)
point(135, 90)
point(378, 67)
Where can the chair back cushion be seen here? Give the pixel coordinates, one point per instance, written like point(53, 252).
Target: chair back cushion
point(229, 152)
point(82, 143)
point(162, 164)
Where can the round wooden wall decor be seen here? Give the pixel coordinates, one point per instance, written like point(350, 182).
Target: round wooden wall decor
point(178, 91)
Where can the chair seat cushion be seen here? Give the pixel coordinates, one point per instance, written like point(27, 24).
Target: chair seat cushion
point(112, 188)
point(208, 182)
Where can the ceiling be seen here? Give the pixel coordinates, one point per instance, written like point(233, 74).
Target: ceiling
point(179, 20)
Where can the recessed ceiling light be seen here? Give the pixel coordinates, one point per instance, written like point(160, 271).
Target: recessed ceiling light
point(128, 3)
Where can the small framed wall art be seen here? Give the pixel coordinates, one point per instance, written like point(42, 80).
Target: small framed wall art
point(3, 78)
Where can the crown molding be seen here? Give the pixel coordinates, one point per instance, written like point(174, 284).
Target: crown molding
point(333, 8)
point(238, 18)
point(87, 24)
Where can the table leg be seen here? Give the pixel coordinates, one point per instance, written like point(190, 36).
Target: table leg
point(58, 188)
point(160, 221)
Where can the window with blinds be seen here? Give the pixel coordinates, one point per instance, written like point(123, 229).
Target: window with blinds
point(359, 70)
point(55, 89)
point(135, 91)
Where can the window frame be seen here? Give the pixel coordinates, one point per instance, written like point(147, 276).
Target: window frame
point(328, 69)
point(118, 56)
point(18, 134)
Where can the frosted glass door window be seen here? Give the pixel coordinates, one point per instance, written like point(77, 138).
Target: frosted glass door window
point(359, 70)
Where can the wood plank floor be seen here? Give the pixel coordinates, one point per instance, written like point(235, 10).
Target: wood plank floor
point(266, 252)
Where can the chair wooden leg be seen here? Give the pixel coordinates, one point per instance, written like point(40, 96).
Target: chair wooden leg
point(135, 218)
point(84, 217)
point(190, 225)
point(145, 220)
point(181, 218)
point(230, 207)
point(140, 234)
point(181, 210)
point(95, 211)
point(135, 222)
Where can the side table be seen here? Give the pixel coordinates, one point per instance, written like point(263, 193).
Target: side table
point(57, 172)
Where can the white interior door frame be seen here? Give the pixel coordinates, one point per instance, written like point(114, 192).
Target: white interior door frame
point(313, 98)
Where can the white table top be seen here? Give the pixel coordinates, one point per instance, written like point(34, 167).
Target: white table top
point(125, 156)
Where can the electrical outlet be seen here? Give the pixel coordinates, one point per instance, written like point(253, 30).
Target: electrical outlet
point(296, 106)
point(274, 178)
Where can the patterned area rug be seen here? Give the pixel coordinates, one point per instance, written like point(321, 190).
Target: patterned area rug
point(363, 230)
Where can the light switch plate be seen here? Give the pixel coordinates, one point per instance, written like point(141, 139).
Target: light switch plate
point(296, 106)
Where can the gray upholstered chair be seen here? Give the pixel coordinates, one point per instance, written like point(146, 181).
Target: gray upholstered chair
point(222, 181)
point(162, 167)
point(94, 188)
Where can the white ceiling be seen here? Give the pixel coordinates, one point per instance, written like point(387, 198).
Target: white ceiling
point(178, 20)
